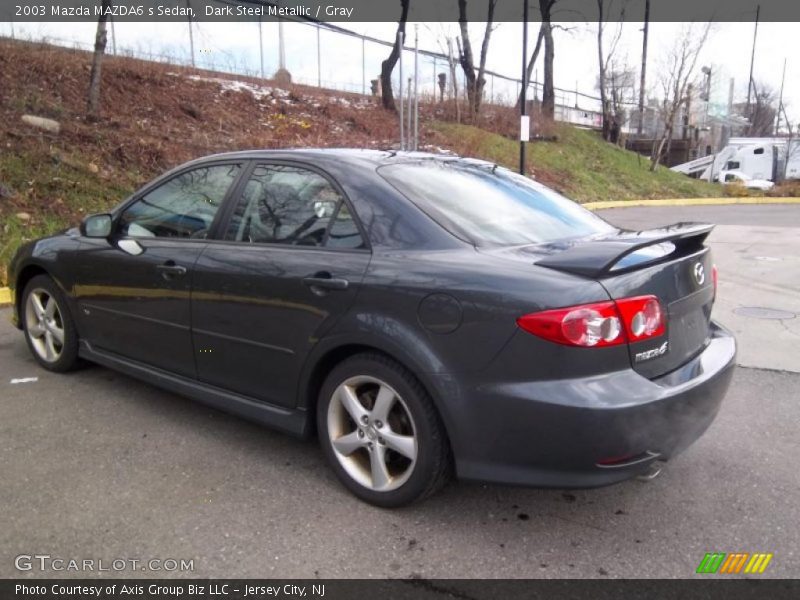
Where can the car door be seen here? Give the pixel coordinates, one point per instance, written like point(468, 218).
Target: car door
point(133, 288)
point(288, 264)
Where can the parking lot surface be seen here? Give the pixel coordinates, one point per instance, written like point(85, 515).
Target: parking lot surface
point(96, 465)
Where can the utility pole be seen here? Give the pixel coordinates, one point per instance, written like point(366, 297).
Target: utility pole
point(644, 67)
point(261, 47)
point(281, 48)
point(752, 60)
point(191, 34)
point(113, 36)
point(400, 45)
point(409, 125)
point(319, 60)
point(416, 86)
point(780, 100)
point(524, 120)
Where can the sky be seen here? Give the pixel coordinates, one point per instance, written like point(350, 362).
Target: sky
point(235, 46)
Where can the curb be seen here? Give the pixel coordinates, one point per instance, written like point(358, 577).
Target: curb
point(5, 296)
point(688, 202)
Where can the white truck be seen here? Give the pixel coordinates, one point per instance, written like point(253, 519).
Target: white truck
point(767, 159)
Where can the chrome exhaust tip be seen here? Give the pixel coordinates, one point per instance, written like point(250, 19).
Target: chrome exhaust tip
point(653, 470)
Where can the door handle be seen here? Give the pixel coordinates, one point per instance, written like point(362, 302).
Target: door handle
point(169, 270)
point(324, 281)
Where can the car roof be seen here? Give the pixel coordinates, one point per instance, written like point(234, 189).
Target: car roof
point(360, 156)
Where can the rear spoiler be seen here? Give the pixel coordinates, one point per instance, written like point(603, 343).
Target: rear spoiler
point(596, 258)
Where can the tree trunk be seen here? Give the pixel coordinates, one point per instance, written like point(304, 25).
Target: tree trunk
point(667, 135)
point(481, 83)
point(465, 57)
point(475, 82)
point(100, 40)
point(532, 61)
point(548, 91)
point(387, 66)
point(602, 65)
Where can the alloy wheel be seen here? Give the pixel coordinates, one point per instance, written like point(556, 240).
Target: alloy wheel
point(44, 325)
point(372, 433)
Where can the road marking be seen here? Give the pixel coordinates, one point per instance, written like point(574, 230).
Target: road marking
point(24, 380)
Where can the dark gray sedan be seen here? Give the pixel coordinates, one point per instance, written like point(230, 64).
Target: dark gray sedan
point(423, 314)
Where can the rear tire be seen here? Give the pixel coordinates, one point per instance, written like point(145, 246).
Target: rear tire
point(380, 432)
point(49, 329)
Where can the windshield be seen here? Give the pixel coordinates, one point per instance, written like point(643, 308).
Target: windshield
point(491, 206)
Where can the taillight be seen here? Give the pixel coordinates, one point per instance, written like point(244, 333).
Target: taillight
point(590, 325)
point(714, 278)
point(642, 316)
point(598, 325)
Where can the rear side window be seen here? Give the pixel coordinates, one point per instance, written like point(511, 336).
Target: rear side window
point(344, 231)
point(490, 206)
point(283, 204)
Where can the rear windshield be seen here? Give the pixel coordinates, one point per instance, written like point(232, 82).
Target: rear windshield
point(491, 206)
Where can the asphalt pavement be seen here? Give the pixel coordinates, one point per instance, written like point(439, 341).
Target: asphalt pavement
point(96, 465)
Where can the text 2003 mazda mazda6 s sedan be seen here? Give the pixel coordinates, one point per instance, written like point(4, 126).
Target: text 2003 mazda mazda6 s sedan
point(422, 314)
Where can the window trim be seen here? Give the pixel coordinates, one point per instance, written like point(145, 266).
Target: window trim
point(117, 213)
point(232, 201)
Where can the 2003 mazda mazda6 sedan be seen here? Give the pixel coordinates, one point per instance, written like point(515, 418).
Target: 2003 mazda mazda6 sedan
point(423, 314)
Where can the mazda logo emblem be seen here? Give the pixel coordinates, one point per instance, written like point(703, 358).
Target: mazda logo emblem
point(699, 273)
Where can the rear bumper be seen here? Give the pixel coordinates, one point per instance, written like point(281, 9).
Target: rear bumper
point(559, 433)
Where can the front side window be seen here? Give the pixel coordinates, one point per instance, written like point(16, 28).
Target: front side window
point(488, 205)
point(283, 204)
point(183, 207)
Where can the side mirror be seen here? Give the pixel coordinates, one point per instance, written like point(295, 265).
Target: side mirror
point(96, 226)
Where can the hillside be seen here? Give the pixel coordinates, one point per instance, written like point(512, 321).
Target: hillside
point(580, 165)
point(157, 116)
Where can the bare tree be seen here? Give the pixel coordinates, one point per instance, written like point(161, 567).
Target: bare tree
point(548, 89)
point(792, 147)
point(604, 57)
point(100, 40)
point(475, 81)
point(444, 39)
point(387, 66)
point(619, 95)
point(677, 73)
point(762, 111)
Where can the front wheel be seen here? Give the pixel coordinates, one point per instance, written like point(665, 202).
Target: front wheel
point(49, 329)
point(381, 433)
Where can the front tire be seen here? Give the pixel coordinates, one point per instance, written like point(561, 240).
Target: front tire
point(49, 329)
point(381, 433)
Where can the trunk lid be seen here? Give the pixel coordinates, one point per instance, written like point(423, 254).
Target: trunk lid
point(670, 263)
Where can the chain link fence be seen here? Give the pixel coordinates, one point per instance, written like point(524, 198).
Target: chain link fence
point(314, 54)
